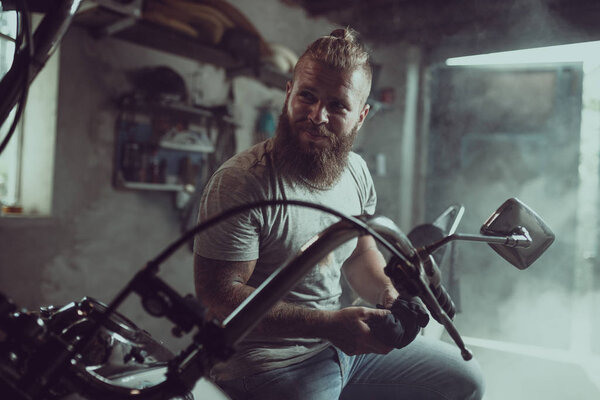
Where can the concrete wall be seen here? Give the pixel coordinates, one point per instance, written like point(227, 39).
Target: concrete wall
point(98, 236)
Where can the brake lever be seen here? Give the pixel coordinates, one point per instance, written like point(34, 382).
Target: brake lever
point(412, 277)
point(418, 275)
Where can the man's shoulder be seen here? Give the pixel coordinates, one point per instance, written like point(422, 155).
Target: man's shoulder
point(356, 162)
point(358, 169)
point(246, 170)
point(355, 157)
point(250, 160)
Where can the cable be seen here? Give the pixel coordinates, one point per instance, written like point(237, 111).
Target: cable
point(23, 31)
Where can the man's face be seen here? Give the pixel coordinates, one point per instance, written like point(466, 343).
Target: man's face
point(323, 111)
point(322, 102)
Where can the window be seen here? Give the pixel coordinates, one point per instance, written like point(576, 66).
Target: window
point(27, 164)
point(9, 160)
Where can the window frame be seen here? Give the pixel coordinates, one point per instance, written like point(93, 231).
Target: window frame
point(35, 136)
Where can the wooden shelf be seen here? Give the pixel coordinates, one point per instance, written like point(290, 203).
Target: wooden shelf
point(162, 187)
point(141, 161)
point(121, 183)
point(102, 22)
point(182, 111)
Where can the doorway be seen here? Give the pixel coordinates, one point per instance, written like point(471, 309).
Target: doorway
point(528, 131)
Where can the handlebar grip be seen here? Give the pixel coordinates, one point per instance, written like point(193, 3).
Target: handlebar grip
point(444, 300)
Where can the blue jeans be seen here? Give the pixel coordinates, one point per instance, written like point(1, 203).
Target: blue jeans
point(426, 369)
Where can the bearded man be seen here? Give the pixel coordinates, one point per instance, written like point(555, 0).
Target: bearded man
point(307, 346)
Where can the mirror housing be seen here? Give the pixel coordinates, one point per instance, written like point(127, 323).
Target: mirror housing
point(508, 218)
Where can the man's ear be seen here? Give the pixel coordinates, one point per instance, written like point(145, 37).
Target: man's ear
point(288, 90)
point(363, 114)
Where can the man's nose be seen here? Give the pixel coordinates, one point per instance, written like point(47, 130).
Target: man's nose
point(318, 114)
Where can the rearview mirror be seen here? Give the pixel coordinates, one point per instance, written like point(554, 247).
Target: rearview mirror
point(514, 215)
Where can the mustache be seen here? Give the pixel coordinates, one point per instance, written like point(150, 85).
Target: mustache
point(310, 127)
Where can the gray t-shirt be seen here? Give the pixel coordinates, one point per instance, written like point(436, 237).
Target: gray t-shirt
point(273, 236)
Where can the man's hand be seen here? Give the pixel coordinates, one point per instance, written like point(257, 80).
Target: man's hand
point(348, 330)
point(404, 323)
point(388, 296)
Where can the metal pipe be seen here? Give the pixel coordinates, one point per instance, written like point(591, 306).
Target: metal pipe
point(519, 239)
point(45, 41)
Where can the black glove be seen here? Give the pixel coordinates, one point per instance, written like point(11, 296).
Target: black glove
point(400, 327)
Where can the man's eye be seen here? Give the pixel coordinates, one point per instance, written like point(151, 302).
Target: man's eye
point(336, 105)
point(307, 96)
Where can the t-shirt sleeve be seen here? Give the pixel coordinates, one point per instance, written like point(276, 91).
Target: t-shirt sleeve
point(366, 187)
point(237, 237)
point(370, 194)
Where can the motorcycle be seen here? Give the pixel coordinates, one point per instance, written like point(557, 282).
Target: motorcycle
point(88, 349)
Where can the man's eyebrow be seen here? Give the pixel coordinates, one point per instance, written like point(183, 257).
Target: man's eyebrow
point(345, 100)
point(307, 87)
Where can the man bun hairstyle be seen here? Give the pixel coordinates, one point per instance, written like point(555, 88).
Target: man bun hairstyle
point(342, 50)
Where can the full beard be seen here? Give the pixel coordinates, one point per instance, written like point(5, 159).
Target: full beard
point(318, 167)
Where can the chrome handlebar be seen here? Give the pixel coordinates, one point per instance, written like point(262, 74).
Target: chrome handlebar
point(413, 272)
point(409, 269)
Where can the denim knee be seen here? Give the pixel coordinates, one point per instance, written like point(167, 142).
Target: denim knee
point(472, 384)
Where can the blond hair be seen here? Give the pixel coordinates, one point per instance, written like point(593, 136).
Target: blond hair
point(341, 50)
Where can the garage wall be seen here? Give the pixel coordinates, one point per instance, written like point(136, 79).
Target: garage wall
point(97, 236)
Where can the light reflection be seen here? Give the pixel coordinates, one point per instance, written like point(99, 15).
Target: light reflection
point(586, 52)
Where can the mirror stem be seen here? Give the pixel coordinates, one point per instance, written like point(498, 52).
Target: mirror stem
point(518, 238)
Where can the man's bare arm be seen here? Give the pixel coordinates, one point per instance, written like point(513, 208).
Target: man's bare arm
point(364, 271)
point(222, 286)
